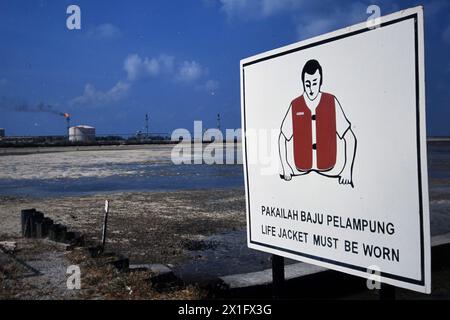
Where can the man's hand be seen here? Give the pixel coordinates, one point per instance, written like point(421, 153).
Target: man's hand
point(346, 177)
point(288, 174)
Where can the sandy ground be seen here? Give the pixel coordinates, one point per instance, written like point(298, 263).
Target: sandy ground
point(153, 227)
point(81, 162)
point(77, 164)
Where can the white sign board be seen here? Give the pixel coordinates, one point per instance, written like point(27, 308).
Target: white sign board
point(335, 154)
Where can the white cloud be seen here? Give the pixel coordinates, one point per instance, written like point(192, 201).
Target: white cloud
point(94, 97)
point(211, 86)
point(316, 27)
point(310, 18)
point(132, 66)
point(167, 62)
point(308, 10)
point(137, 67)
point(190, 71)
point(104, 31)
point(317, 22)
point(271, 7)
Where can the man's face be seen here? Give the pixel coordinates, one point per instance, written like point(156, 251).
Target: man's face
point(311, 85)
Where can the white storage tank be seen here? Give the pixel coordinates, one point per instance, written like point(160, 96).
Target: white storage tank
point(82, 134)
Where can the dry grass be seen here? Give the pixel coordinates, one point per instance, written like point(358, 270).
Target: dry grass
point(101, 281)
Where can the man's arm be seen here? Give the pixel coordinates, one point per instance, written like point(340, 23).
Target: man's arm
point(286, 133)
point(346, 176)
point(287, 171)
point(345, 132)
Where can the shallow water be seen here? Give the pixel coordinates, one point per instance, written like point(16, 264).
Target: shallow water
point(145, 177)
point(225, 253)
point(89, 172)
point(84, 172)
point(439, 161)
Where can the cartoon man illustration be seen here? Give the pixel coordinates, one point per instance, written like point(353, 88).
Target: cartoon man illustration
point(317, 128)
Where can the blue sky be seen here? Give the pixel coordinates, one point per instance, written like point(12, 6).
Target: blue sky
point(178, 61)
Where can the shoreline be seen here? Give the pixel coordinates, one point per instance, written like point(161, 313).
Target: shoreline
point(25, 150)
point(17, 150)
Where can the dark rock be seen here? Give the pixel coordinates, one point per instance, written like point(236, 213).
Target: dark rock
point(118, 261)
point(164, 278)
point(45, 226)
point(121, 263)
point(78, 240)
point(36, 218)
point(74, 239)
point(58, 232)
point(96, 251)
point(39, 230)
point(70, 236)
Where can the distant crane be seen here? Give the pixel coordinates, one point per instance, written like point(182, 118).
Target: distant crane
point(218, 121)
point(67, 116)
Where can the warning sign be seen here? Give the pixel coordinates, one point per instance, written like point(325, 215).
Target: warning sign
point(335, 151)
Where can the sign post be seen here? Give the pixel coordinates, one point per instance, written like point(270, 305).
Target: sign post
point(335, 158)
point(105, 224)
point(387, 292)
point(278, 280)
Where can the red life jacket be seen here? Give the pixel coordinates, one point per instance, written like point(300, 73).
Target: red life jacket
point(325, 122)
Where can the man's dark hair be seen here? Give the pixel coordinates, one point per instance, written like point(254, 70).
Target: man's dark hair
point(310, 68)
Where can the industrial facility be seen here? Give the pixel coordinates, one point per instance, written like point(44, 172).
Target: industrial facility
point(82, 133)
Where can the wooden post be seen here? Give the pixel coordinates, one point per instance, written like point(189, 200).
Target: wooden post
point(387, 292)
point(26, 219)
point(278, 279)
point(105, 221)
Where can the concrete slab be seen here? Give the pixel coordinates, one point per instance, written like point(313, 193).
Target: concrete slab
point(8, 246)
point(265, 277)
point(440, 240)
point(155, 268)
